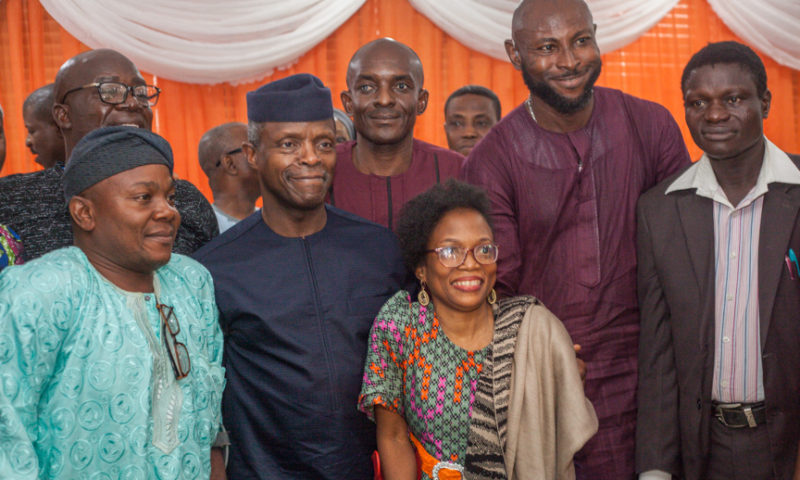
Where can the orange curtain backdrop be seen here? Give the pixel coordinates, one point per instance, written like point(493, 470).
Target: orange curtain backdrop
point(33, 46)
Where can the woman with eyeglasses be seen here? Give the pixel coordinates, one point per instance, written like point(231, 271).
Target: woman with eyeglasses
point(462, 384)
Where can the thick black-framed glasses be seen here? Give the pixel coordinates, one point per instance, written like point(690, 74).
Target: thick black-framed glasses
point(452, 257)
point(115, 93)
point(178, 354)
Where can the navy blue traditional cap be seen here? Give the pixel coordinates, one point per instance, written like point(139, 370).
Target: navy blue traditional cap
point(107, 151)
point(298, 98)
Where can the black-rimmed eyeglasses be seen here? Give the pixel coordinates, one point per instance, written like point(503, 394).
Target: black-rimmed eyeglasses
point(452, 257)
point(178, 354)
point(115, 93)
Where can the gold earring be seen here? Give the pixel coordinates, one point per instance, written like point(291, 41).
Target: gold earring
point(422, 296)
point(492, 298)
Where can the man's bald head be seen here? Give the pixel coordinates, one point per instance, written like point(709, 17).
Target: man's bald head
point(217, 142)
point(390, 50)
point(44, 138)
point(79, 108)
point(541, 10)
point(83, 67)
point(40, 102)
point(554, 47)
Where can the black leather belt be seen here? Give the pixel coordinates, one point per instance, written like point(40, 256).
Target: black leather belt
point(740, 415)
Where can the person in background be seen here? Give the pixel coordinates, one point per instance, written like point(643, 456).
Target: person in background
point(486, 387)
point(233, 182)
point(297, 289)
point(385, 166)
point(10, 248)
point(345, 131)
point(719, 289)
point(469, 113)
point(93, 89)
point(111, 358)
point(44, 138)
point(564, 171)
point(2, 140)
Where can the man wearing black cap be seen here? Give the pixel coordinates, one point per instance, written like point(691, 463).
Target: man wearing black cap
point(97, 88)
point(110, 350)
point(298, 285)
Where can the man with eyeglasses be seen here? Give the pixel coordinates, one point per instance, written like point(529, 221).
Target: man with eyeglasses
point(298, 287)
point(94, 89)
point(233, 181)
point(110, 350)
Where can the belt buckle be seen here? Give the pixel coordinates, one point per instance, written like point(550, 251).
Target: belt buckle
point(720, 413)
point(446, 466)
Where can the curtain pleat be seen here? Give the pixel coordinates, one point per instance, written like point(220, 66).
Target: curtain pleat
point(33, 46)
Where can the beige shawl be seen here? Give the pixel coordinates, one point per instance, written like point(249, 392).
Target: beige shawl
point(549, 417)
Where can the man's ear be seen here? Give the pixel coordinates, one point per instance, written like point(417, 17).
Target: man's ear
point(766, 103)
point(229, 164)
point(61, 116)
point(250, 152)
point(422, 101)
point(82, 211)
point(347, 101)
point(513, 54)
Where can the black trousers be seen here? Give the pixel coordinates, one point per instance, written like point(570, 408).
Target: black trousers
point(739, 453)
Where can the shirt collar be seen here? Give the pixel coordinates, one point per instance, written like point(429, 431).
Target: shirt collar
point(776, 167)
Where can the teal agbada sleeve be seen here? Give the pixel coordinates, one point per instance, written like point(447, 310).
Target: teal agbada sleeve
point(86, 386)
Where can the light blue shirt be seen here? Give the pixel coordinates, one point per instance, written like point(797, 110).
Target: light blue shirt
point(87, 389)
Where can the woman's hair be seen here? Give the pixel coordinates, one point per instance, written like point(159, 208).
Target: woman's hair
point(419, 217)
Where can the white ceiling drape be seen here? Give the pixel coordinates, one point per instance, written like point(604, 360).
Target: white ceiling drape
point(212, 41)
point(204, 41)
point(771, 26)
point(484, 25)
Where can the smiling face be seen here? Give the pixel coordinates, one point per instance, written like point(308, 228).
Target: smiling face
point(723, 110)
point(468, 118)
point(463, 288)
point(134, 218)
point(554, 46)
point(385, 93)
point(82, 111)
point(295, 162)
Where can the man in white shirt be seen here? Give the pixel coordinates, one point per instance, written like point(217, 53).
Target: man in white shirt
point(719, 289)
point(233, 182)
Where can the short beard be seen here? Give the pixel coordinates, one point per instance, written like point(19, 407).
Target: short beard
point(558, 102)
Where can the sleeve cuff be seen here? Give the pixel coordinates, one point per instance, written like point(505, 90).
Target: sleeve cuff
point(655, 475)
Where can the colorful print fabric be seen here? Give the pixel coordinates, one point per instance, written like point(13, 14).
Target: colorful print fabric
point(10, 247)
point(412, 368)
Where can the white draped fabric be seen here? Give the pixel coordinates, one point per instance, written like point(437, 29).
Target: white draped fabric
point(771, 26)
point(204, 41)
point(484, 25)
point(212, 41)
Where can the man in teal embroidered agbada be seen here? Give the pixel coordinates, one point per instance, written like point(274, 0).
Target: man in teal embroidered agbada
point(110, 350)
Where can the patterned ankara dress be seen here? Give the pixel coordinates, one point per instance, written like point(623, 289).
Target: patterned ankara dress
point(413, 369)
point(10, 247)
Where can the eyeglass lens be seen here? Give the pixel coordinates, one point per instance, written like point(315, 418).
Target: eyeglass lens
point(454, 256)
point(116, 93)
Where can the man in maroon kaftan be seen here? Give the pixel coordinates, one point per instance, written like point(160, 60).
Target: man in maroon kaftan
point(564, 171)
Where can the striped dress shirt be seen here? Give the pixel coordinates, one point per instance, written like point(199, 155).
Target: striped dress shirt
point(738, 374)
